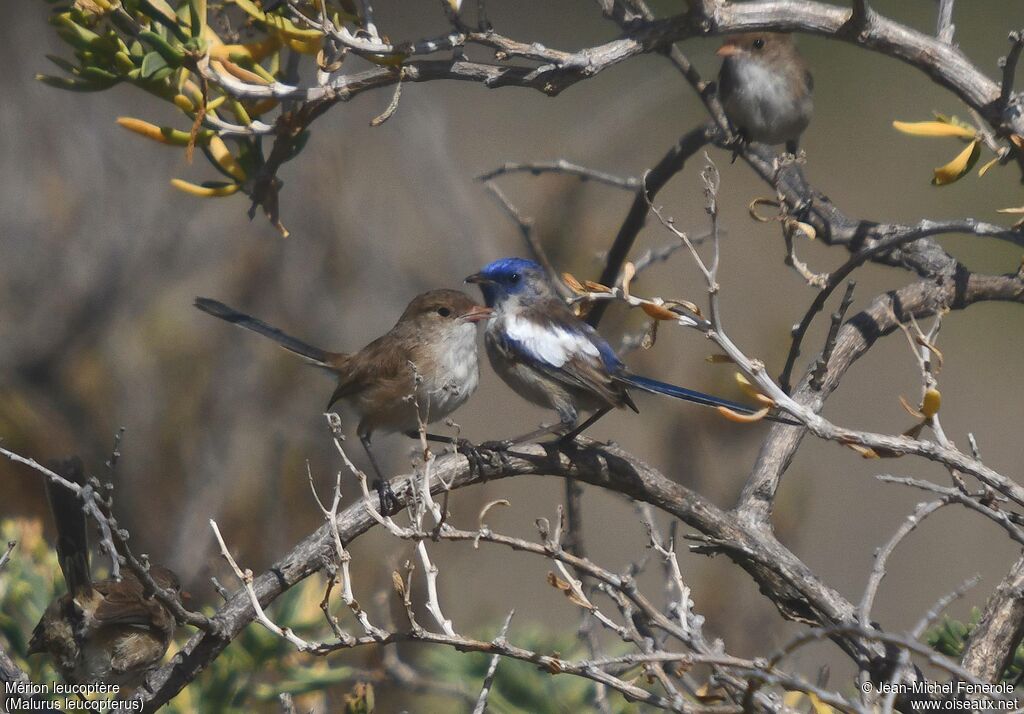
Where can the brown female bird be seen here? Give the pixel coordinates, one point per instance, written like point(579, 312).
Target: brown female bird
point(431, 353)
point(766, 87)
point(105, 630)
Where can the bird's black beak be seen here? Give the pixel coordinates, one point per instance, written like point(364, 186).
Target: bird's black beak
point(479, 279)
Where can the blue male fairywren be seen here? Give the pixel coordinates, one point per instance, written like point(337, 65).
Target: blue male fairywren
point(555, 360)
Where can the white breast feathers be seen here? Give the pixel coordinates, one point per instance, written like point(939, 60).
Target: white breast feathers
point(550, 344)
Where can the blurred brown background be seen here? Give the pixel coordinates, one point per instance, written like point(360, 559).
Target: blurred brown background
point(100, 260)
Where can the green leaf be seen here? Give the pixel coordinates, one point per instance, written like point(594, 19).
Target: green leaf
point(160, 11)
point(197, 16)
point(63, 64)
point(161, 74)
point(169, 52)
point(151, 63)
point(73, 85)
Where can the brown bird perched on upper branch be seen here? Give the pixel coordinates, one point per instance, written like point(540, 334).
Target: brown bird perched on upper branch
point(108, 631)
point(766, 88)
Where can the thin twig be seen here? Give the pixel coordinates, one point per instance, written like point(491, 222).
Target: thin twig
point(1000, 517)
point(492, 669)
point(245, 577)
point(526, 230)
point(944, 27)
point(882, 556)
point(821, 365)
point(7, 554)
point(654, 180)
point(561, 166)
point(1009, 66)
point(900, 237)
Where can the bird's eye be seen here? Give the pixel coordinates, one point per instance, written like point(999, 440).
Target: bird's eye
point(758, 43)
point(514, 278)
point(444, 312)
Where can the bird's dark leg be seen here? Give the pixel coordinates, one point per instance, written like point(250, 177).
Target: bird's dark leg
point(567, 417)
point(437, 438)
point(463, 446)
point(388, 500)
point(738, 142)
point(583, 426)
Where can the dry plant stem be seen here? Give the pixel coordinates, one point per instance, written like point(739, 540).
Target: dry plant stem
point(261, 616)
point(994, 640)
point(882, 556)
point(652, 256)
point(880, 318)
point(754, 370)
point(944, 27)
point(590, 669)
point(621, 588)
point(561, 166)
point(498, 646)
point(899, 236)
point(654, 180)
point(555, 70)
point(971, 501)
point(821, 364)
point(343, 560)
point(914, 301)
point(1009, 64)
point(794, 589)
point(492, 669)
point(529, 235)
point(7, 553)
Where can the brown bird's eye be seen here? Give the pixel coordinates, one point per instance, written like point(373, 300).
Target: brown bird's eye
point(758, 43)
point(444, 312)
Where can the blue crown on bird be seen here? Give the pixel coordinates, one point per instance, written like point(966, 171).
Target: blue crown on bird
point(511, 276)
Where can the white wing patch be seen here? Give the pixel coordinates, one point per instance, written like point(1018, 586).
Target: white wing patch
point(551, 344)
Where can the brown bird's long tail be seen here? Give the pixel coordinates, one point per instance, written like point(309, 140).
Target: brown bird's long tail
point(319, 357)
point(72, 536)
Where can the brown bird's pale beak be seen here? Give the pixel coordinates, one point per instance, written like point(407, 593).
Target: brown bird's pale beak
point(729, 49)
point(479, 278)
point(477, 313)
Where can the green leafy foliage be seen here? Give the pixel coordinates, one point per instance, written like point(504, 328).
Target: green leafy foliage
point(28, 583)
point(171, 52)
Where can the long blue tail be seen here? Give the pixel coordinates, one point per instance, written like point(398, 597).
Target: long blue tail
point(689, 395)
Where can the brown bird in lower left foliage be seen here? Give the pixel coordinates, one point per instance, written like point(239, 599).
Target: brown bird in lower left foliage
point(108, 631)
